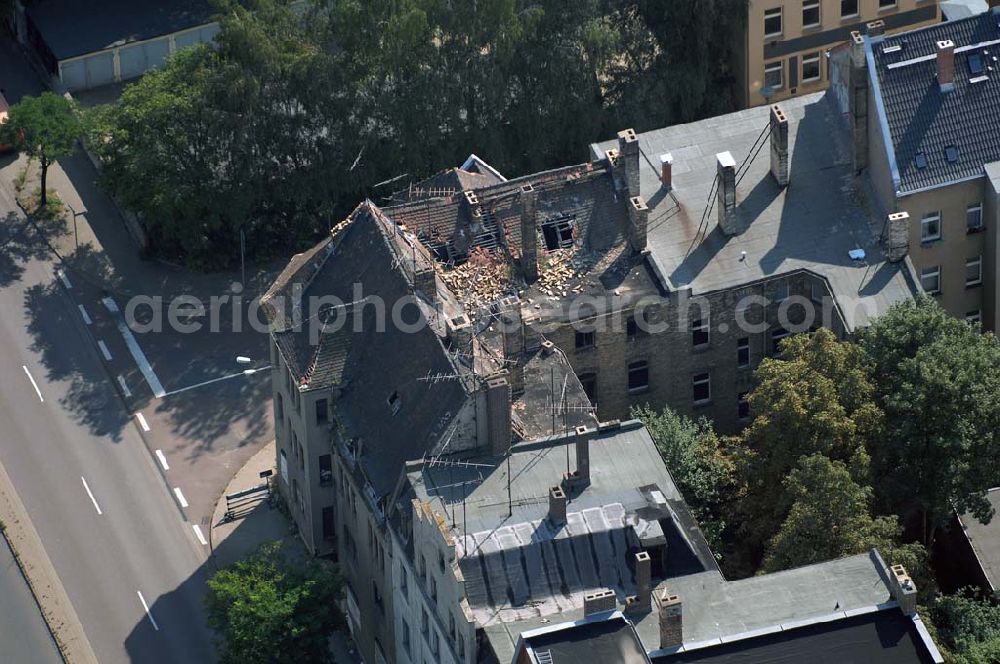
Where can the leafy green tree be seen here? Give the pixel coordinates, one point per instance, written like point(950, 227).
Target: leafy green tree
point(700, 462)
point(815, 399)
point(45, 128)
point(938, 383)
point(831, 518)
point(270, 609)
point(969, 627)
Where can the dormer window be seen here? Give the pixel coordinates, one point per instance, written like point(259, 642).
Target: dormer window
point(394, 402)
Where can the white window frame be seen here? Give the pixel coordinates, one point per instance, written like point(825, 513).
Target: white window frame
point(931, 273)
point(892, 5)
point(977, 264)
point(934, 217)
point(779, 66)
point(638, 365)
point(812, 4)
point(857, 10)
point(977, 210)
point(809, 58)
point(770, 14)
point(698, 380)
point(701, 325)
point(974, 317)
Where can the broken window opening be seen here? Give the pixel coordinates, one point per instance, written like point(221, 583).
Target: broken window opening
point(559, 233)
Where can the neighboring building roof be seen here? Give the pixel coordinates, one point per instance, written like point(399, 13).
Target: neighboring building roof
point(517, 566)
point(887, 636)
point(985, 540)
point(924, 120)
point(604, 637)
point(71, 27)
point(954, 10)
point(810, 225)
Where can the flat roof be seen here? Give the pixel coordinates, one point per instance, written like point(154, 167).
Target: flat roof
point(72, 27)
point(985, 539)
point(811, 224)
point(594, 639)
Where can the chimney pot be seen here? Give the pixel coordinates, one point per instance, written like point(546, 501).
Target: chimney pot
point(643, 580)
point(671, 617)
point(946, 65)
point(667, 171)
point(875, 29)
point(638, 223)
point(598, 601)
point(726, 203)
point(779, 145)
point(904, 590)
point(557, 505)
point(498, 404)
point(583, 454)
point(628, 150)
point(897, 242)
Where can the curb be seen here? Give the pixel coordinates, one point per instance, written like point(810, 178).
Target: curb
point(39, 573)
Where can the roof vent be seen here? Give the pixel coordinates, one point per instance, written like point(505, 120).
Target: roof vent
point(951, 154)
point(895, 48)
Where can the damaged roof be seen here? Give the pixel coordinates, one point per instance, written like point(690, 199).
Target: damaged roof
point(810, 225)
point(926, 123)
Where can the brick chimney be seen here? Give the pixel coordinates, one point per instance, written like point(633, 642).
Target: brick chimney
point(779, 145)
point(557, 505)
point(946, 65)
point(669, 610)
point(498, 402)
point(628, 156)
point(459, 331)
point(858, 102)
point(667, 171)
point(726, 202)
point(643, 580)
point(897, 236)
point(875, 30)
point(638, 223)
point(598, 601)
point(512, 331)
point(583, 454)
point(529, 234)
point(904, 591)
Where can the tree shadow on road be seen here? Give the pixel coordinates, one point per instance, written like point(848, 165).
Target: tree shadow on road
point(90, 398)
point(20, 242)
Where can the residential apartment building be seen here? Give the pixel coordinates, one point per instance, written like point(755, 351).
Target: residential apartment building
point(926, 130)
point(786, 41)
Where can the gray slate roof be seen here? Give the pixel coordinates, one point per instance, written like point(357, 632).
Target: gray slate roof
point(75, 27)
point(923, 119)
point(810, 225)
point(366, 363)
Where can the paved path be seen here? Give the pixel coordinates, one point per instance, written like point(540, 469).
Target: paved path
point(24, 638)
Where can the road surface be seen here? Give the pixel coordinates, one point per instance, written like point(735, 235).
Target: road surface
point(130, 562)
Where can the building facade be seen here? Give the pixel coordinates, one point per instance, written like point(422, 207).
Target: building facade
point(786, 41)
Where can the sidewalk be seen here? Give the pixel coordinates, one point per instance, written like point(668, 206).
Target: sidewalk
point(235, 539)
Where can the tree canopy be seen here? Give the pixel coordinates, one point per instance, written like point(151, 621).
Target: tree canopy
point(288, 121)
point(45, 128)
point(969, 627)
point(269, 609)
point(938, 383)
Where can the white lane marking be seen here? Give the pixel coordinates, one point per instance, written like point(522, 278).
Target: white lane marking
point(92, 499)
point(104, 350)
point(65, 279)
point(148, 614)
point(245, 372)
point(33, 383)
point(180, 497)
point(121, 381)
point(197, 533)
point(136, 350)
point(142, 421)
point(162, 459)
point(86, 316)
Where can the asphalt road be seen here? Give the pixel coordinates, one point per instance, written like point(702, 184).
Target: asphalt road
point(23, 635)
point(116, 536)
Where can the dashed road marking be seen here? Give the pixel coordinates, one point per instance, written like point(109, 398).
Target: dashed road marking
point(146, 607)
point(180, 497)
point(65, 280)
point(136, 350)
point(86, 316)
point(198, 534)
point(92, 499)
point(121, 381)
point(162, 459)
point(33, 383)
point(104, 350)
point(142, 421)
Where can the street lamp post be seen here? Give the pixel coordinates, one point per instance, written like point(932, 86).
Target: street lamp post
point(76, 232)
